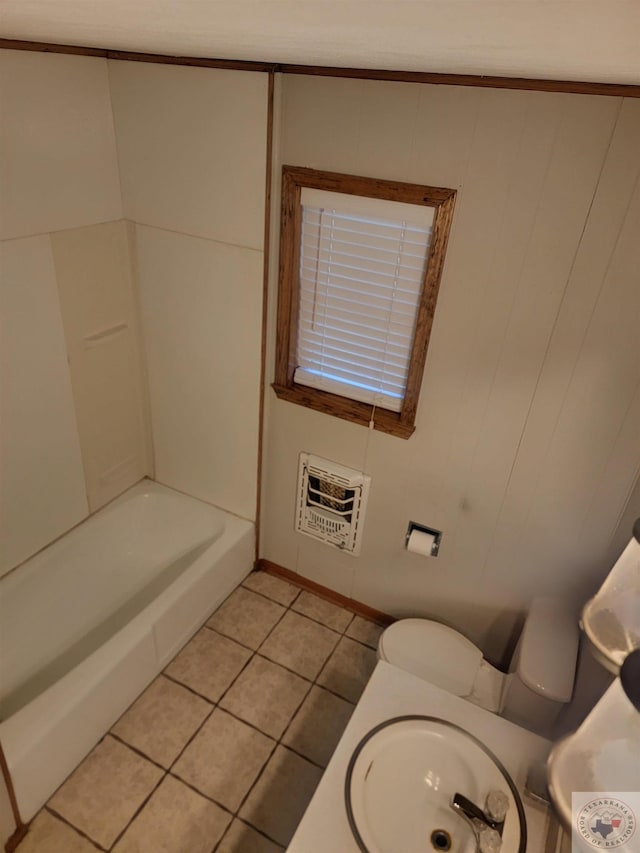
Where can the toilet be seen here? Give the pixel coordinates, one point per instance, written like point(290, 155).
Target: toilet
point(534, 690)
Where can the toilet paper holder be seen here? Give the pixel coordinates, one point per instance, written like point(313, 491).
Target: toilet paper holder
point(422, 528)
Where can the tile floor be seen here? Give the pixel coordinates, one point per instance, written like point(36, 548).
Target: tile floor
point(224, 750)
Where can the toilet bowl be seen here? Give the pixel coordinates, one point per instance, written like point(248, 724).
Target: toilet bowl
point(540, 677)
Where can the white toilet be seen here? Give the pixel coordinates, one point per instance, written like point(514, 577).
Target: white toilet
point(541, 674)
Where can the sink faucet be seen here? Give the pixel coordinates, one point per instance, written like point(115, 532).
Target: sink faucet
point(487, 825)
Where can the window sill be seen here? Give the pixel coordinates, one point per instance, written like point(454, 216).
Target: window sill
point(391, 423)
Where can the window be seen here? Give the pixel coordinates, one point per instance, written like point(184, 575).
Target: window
point(360, 265)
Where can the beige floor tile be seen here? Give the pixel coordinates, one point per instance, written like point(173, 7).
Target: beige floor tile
point(299, 644)
point(241, 838)
point(322, 611)
point(271, 586)
point(318, 725)
point(223, 759)
point(105, 791)
point(281, 795)
point(47, 834)
point(162, 720)
point(246, 617)
point(365, 631)
point(348, 669)
point(208, 664)
point(266, 695)
point(175, 820)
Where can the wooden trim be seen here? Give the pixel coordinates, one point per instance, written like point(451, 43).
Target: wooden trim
point(483, 81)
point(324, 592)
point(343, 407)
point(51, 47)
point(529, 84)
point(338, 182)
point(286, 326)
point(21, 828)
point(294, 178)
point(265, 304)
point(427, 308)
point(194, 61)
point(15, 839)
point(136, 56)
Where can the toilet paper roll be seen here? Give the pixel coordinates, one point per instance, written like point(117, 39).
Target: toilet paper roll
point(421, 542)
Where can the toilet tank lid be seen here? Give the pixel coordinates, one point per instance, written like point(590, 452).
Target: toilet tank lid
point(549, 649)
point(434, 652)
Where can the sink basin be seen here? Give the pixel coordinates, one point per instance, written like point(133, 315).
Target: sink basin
point(402, 778)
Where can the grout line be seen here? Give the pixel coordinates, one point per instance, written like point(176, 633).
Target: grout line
point(137, 751)
point(279, 741)
point(63, 819)
point(173, 679)
point(190, 740)
point(312, 618)
point(268, 597)
point(249, 826)
point(142, 805)
point(312, 683)
point(195, 790)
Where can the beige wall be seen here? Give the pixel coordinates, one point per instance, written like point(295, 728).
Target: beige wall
point(72, 429)
point(526, 448)
point(192, 151)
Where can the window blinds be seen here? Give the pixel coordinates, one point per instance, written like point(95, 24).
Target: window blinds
point(362, 264)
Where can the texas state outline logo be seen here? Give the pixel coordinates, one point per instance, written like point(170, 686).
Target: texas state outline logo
point(606, 821)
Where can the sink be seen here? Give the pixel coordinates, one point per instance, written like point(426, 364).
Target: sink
point(402, 778)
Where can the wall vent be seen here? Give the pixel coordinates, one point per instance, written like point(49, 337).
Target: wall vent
point(331, 503)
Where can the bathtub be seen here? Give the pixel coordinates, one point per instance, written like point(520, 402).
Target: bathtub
point(87, 623)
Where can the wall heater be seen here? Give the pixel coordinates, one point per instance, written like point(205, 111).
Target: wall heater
point(331, 504)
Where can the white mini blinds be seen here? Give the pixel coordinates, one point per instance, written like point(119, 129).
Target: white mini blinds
point(362, 269)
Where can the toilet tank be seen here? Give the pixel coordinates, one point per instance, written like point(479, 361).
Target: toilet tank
point(543, 667)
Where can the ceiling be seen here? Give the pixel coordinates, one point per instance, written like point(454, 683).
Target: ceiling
point(591, 40)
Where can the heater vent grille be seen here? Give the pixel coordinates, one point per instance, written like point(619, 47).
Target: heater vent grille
point(331, 502)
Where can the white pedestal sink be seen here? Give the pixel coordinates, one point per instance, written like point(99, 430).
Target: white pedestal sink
point(391, 693)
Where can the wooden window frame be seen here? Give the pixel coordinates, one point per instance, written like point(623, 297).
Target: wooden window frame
point(294, 178)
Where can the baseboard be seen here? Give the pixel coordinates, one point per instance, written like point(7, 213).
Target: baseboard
point(324, 592)
point(21, 828)
point(16, 838)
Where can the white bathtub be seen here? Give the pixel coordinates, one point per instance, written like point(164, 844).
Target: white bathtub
point(87, 623)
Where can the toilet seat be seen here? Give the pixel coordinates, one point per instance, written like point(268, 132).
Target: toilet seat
point(433, 652)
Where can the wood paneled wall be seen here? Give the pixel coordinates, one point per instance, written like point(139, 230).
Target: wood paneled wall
point(526, 450)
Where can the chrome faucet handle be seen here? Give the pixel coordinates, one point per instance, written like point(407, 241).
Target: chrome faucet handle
point(472, 812)
point(487, 831)
point(497, 806)
point(489, 840)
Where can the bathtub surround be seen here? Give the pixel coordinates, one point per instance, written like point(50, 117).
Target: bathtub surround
point(203, 371)
point(192, 152)
point(42, 484)
point(60, 168)
point(73, 419)
point(128, 192)
point(59, 171)
point(100, 318)
point(231, 772)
